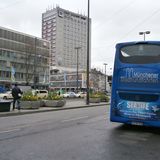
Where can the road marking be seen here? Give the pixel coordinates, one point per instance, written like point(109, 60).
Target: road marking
point(18, 128)
point(7, 131)
point(74, 119)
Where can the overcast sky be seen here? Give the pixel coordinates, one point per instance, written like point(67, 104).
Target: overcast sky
point(113, 21)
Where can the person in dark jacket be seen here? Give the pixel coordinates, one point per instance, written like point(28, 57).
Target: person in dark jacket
point(16, 93)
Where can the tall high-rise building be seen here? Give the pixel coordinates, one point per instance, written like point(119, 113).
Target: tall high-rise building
point(67, 32)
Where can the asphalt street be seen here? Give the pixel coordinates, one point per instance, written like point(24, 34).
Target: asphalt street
point(79, 134)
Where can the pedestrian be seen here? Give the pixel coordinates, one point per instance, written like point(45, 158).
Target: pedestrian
point(16, 93)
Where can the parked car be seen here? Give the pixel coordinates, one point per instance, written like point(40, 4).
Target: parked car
point(6, 95)
point(81, 94)
point(40, 93)
point(69, 94)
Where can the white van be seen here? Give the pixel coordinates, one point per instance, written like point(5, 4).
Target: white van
point(40, 93)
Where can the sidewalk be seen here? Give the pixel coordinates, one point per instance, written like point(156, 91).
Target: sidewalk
point(69, 105)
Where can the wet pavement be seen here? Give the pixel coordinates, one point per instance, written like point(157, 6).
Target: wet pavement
point(70, 104)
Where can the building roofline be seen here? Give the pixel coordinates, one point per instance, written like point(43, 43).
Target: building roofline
point(25, 34)
point(71, 12)
point(57, 7)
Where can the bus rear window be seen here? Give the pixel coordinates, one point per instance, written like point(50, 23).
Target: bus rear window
point(140, 54)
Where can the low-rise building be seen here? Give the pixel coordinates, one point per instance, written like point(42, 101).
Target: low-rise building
point(24, 59)
point(68, 81)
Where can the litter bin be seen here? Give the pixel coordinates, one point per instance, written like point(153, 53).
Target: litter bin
point(5, 106)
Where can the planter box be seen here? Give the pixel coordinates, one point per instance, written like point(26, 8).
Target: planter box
point(54, 103)
point(30, 104)
point(5, 106)
point(94, 100)
point(61, 103)
point(42, 103)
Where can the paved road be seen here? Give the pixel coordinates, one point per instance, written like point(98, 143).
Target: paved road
point(81, 134)
point(70, 104)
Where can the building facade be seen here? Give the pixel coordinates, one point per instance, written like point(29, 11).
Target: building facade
point(97, 81)
point(24, 59)
point(70, 81)
point(67, 32)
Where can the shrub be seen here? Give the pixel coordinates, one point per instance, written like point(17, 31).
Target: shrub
point(94, 95)
point(28, 96)
point(102, 96)
point(53, 96)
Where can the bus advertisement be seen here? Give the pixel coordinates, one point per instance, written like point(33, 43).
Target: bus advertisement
point(135, 95)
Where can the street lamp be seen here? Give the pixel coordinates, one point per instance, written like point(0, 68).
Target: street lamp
point(77, 49)
point(105, 76)
point(144, 33)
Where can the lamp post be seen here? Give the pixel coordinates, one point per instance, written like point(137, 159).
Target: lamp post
point(77, 49)
point(87, 98)
point(105, 76)
point(144, 34)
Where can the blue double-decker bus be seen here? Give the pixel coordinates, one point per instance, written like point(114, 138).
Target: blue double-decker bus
point(135, 95)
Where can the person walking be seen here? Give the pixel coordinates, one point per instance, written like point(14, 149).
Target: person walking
point(16, 93)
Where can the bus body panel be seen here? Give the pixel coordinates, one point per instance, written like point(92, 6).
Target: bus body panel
point(140, 78)
point(135, 95)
